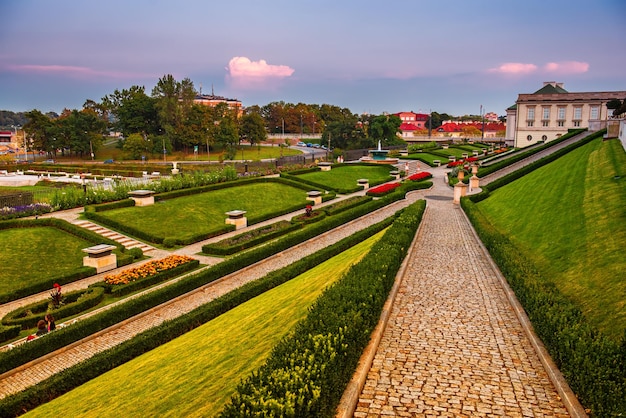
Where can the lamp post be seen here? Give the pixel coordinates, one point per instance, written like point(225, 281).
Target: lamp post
point(482, 115)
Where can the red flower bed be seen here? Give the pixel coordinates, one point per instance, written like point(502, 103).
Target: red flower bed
point(423, 175)
point(382, 189)
point(454, 163)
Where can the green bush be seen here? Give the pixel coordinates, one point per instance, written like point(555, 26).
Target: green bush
point(249, 239)
point(74, 302)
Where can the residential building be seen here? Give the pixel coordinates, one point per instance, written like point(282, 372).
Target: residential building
point(412, 122)
point(551, 111)
point(212, 100)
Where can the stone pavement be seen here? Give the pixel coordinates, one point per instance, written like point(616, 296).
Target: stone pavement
point(453, 344)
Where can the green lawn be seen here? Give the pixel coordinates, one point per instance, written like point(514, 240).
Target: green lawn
point(190, 215)
point(428, 157)
point(569, 217)
point(195, 374)
point(37, 254)
point(346, 176)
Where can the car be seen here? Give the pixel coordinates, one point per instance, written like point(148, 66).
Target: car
point(316, 145)
point(301, 144)
point(309, 145)
point(324, 147)
point(109, 161)
point(49, 161)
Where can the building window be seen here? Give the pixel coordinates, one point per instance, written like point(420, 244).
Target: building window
point(545, 123)
point(529, 137)
point(546, 113)
point(561, 114)
point(544, 137)
point(530, 123)
point(531, 113)
point(561, 123)
point(578, 113)
point(576, 123)
point(594, 113)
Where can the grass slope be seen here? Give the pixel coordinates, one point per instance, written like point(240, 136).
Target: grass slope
point(345, 177)
point(195, 374)
point(33, 255)
point(569, 217)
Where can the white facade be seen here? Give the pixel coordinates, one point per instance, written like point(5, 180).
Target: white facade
point(551, 111)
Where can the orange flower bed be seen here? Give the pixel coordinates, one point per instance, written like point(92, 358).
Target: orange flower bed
point(148, 269)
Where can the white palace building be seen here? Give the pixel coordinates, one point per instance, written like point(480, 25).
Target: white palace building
point(550, 111)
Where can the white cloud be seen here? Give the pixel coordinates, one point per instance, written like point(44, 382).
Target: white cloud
point(514, 68)
point(567, 67)
point(244, 73)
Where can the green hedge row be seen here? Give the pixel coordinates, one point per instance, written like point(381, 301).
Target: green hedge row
point(483, 171)
point(118, 204)
point(249, 239)
point(27, 352)
point(74, 376)
point(74, 302)
point(8, 333)
point(593, 365)
point(346, 204)
point(125, 289)
point(318, 359)
point(503, 181)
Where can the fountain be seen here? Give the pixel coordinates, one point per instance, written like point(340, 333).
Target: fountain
point(379, 156)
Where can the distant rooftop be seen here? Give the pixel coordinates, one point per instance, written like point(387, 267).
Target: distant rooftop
point(551, 87)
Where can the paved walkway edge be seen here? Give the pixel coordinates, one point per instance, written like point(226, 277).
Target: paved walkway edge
point(568, 397)
point(351, 394)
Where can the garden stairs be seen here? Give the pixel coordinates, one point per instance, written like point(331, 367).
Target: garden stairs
point(127, 242)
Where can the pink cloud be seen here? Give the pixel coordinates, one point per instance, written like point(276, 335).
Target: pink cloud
point(74, 71)
point(567, 67)
point(514, 68)
point(242, 72)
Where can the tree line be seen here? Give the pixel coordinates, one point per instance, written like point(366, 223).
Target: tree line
point(169, 120)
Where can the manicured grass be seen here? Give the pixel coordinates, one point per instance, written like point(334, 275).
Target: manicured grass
point(190, 215)
point(569, 217)
point(195, 374)
point(37, 254)
point(428, 157)
point(345, 177)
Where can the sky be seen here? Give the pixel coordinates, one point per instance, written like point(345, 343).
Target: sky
point(454, 56)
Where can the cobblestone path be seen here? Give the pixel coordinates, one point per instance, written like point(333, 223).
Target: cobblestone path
point(453, 345)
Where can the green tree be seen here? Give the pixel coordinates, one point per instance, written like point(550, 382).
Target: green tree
point(40, 130)
point(132, 110)
point(136, 146)
point(253, 128)
point(385, 128)
point(227, 136)
point(174, 101)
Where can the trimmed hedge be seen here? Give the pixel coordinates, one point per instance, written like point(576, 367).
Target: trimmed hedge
point(27, 352)
point(483, 171)
point(75, 302)
point(249, 239)
point(317, 360)
point(74, 376)
point(594, 365)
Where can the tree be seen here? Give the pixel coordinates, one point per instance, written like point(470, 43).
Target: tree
point(136, 146)
point(253, 128)
point(40, 130)
point(227, 136)
point(133, 111)
point(173, 103)
point(385, 128)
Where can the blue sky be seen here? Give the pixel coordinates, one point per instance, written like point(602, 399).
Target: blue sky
point(369, 56)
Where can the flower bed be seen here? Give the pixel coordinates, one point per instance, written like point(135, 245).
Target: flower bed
point(148, 269)
point(422, 175)
point(382, 189)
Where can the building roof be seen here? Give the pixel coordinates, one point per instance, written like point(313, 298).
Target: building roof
point(551, 88)
point(408, 127)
